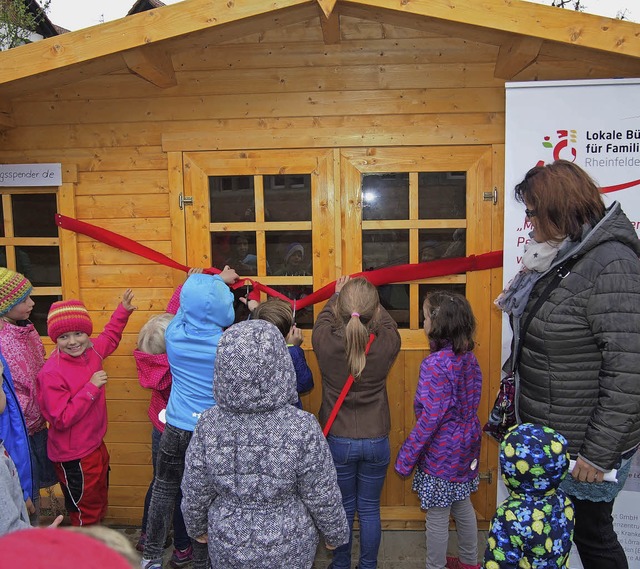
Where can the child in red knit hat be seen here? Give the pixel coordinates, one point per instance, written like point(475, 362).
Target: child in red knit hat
point(72, 399)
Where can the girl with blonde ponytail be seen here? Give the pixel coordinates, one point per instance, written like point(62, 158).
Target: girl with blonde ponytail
point(359, 437)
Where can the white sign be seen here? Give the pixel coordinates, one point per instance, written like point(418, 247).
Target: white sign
point(29, 175)
point(595, 124)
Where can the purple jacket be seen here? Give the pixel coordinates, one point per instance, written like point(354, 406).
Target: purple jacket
point(445, 441)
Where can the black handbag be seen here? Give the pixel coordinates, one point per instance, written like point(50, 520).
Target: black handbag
point(503, 413)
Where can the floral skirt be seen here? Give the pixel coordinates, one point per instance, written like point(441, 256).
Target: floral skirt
point(440, 493)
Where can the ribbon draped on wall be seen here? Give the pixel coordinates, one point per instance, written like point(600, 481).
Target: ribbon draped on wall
point(378, 277)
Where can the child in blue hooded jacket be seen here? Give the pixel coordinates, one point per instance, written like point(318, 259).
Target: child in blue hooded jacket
point(533, 527)
point(206, 309)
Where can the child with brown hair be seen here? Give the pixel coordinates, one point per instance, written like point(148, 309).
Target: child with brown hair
point(280, 314)
point(444, 444)
point(71, 395)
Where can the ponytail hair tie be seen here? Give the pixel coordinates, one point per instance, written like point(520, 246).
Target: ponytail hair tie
point(355, 315)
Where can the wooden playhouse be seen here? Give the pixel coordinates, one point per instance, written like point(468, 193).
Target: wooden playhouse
point(370, 132)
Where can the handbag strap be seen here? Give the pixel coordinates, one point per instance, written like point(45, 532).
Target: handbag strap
point(562, 271)
point(343, 394)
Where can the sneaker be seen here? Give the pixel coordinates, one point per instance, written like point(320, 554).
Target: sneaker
point(151, 564)
point(181, 557)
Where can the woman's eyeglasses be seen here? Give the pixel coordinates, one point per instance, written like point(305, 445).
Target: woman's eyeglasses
point(530, 212)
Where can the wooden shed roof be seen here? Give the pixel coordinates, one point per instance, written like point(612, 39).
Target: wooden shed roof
point(145, 42)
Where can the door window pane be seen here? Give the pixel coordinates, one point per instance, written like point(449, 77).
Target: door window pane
point(287, 197)
point(238, 250)
point(441, 243)
point(395, 298)
point(442, 195)
point(289, 253)
point(385, 196)
point(34, 215)
point(384, 248)
point(231, 198)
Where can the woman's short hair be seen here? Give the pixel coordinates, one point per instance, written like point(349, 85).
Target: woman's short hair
point(277, 312)
point(452, 321)
point(151, 335)
point(564, 198)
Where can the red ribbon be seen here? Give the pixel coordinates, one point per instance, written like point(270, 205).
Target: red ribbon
point(378, 277)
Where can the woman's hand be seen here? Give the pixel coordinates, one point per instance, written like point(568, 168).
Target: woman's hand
point(584, 472)
point(127, 297)
point(329, 547)
point(341, 282)
point(204, 538)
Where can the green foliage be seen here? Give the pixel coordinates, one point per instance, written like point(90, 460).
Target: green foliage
point(17, 22)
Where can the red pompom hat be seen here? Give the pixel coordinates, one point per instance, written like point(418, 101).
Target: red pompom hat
point(68, 316)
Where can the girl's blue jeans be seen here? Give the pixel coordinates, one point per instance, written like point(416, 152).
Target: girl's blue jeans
point(361, 465)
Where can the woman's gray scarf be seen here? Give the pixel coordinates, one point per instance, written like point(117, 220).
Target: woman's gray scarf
point(536, 260)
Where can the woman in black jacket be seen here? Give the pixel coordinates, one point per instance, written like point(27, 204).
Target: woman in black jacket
point(580, 354)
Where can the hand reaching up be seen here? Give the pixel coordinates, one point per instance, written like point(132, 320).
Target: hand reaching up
point(127, 297)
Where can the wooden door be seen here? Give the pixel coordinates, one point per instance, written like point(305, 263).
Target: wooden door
point(350, 210)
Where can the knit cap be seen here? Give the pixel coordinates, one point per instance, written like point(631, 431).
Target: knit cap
point(68, 316)
point(14, 288)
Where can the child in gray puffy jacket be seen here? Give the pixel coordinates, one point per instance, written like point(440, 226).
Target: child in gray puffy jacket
point(259, 482)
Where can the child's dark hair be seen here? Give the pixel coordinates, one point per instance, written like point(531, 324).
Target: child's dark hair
point(452, 321)
point(277, 312)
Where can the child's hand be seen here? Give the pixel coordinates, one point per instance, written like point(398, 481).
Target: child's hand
point(127, 297)
point(56, 522)
point(99, 378)
point(329, 547)
point(31, 509)
point(251, 304)
point(341, 282)
point(229, 275)
point(195, 271)
point(295, 336)
point(204, 538)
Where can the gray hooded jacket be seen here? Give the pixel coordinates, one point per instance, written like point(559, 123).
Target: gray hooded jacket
point(579, 369)
point(259, 477)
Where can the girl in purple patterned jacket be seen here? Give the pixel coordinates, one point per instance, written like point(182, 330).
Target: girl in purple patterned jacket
point(445, 442)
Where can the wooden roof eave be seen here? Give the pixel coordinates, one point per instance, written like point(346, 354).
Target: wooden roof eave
point(523, 18)
point(135, 31)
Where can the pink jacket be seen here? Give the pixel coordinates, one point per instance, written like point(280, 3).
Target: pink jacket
point(22, 348)
point(75, 408)
point(154, 373)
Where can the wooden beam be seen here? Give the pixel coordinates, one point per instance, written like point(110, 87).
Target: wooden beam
point(152, 64)
point(138, 30)
point(515, 55)
point(327, 7)
point(523, 18)
point(6, 115)
point(330, 28)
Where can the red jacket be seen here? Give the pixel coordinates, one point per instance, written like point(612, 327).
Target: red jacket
point(75, 408)
point(154, 373)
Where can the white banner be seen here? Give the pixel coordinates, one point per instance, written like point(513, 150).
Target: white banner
point(30, 175)
point(595, 124)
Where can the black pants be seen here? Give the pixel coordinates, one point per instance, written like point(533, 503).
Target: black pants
point(595, 538)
